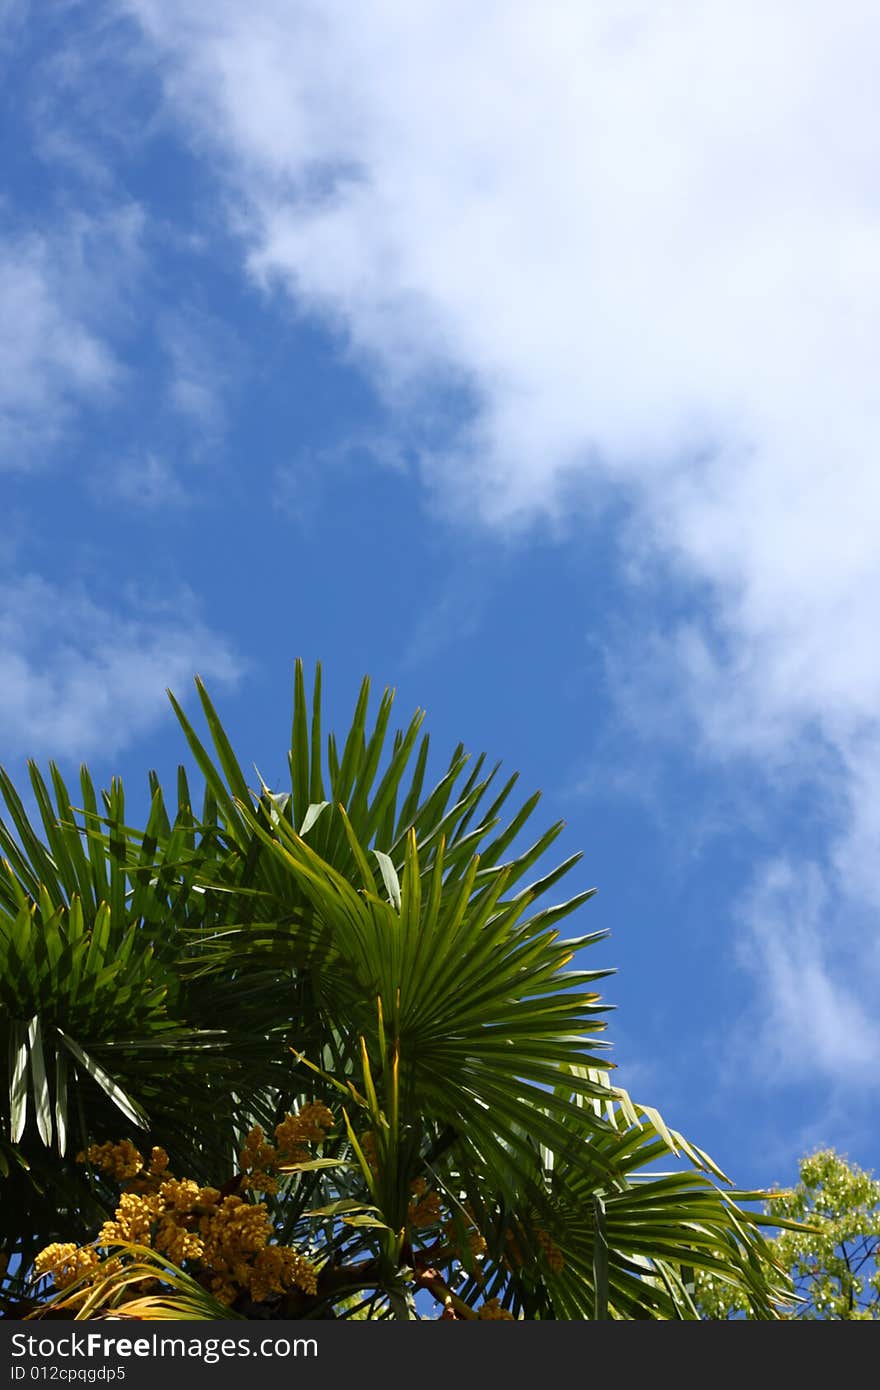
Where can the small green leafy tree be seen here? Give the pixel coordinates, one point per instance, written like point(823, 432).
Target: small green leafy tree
point(833, 1260)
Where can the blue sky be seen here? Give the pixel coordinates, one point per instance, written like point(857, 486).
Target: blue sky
point(523, 357)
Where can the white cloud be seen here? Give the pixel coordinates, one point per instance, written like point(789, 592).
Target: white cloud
point(301, 484)
point(202, 355)
point(808, 1016)
point(48, 359)
point(12, 15)
point(143, 481)
point(645, 239)
point(59, 301)
point(82, 673)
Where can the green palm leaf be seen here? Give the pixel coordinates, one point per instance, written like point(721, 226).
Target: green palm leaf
point(374, 941)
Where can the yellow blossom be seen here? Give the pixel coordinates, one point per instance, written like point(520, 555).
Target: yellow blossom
point(158, 1161)
point(177, 1243)
point(226, 1236)
point(179, 1194)
point(424, 1207)
point(208, 1197)
point(258, 1159)
point(476, 1241)
point(491, 1311)
point(370, 1150)
point(134, 1219)
point(277, 1269)
point(552, 1254)
point(66, 1262)
point(119, 1161)
point(307, 1126)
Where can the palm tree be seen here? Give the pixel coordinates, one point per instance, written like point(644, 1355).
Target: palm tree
point(367, 944)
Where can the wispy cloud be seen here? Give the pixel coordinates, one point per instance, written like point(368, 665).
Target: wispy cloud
point(142, 481)
point(73, 301)
point(450, 617)
point(49, 357)
point(642, 241)
point(809, 1015)
point(202, 356)
point(12, 15)
point(82, 102)
point(302, 485)
point(81, 673)
point(58, 304)
point(81, 268)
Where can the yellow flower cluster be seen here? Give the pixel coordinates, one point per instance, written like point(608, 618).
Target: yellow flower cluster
point(260, 1160)
point(118, 1161)
point(155, 1173)
point(234, 1230)
point(124, 1164)
point(66, 1262)
point(182, 1194)
point(476, 1241)
point(491, 1311)
point(276, 1268)
point(552, 1254)
point(308, 1126)
point(226, 1238)
point(237, 1255)
point(424, 1206)
point(135, 1216)
point(370, 1150)
point(514, 1254)
point(549, 1249)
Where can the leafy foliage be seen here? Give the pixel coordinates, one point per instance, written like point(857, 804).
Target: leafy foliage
point(367, 943)
point(834, 1252)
